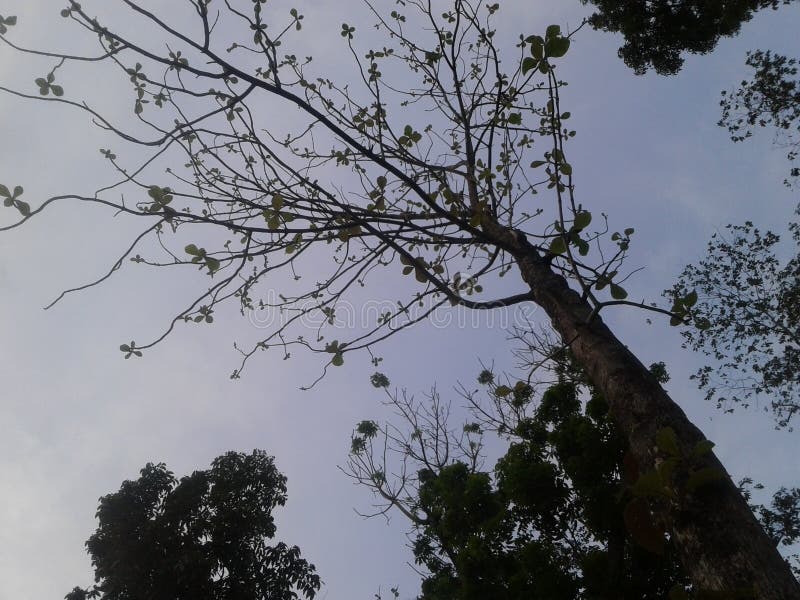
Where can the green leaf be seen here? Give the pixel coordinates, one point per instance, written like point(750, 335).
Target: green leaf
point(691, 299)
point(566, 169)
point(618, 293)
point(582, 220)
point(528, 64)
point(538, 163)
point(18, 191)
point(553, 31)
point(557, 47)
point(667, 441)
point(703, 477)
point(4, 191)
point(639, 523)
point(537, 47)
point(24, 208)
point(213, 264)
point(515, 118)
point(702, 448)
point(558, 245)
point(337, 360)
point(57, 90)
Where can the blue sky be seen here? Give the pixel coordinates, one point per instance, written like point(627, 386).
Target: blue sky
point(77, 419)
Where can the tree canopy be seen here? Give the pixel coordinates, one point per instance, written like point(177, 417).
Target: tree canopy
point(749, 298)
point(771, 98)
point(475, 182)
point(658, 32)
point(203, 536)
point(562, 515)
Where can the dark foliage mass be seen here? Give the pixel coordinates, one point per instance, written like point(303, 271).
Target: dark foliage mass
point(554, 524)
point(659, 32)
point(201, 537)
point(562, 516)
point(749, 304)
point(566, 513)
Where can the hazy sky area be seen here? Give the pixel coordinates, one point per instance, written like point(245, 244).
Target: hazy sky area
point(76, 419)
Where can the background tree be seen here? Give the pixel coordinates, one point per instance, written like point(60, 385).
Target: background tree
point(562, 513)
point(749, 304)
point(448, 191)
point(771, 98)
point(658, 32)
point(204, 536)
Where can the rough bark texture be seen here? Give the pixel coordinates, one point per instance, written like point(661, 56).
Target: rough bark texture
point(722, 546)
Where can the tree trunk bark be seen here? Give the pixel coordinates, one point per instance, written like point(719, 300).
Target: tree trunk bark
point(721, 544)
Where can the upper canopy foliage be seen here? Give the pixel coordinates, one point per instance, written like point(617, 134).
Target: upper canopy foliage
point(204, 536)
point(291, 216)
point(658, 32)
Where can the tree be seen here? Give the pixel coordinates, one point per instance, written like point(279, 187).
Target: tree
point(559, 517)
point(448, 190)
point(770, 98)
point(658, 32)
point(204, 536)
point(749, 303)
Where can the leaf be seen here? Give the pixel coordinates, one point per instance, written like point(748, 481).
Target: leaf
point(702, 448)
point(690, 299)
point(4, 191)
point(582, 220)
point(558, 245)
point(337, 360)
point(502, 391)
point(57, 90)
point(18, 191)
point(192, 249)
point(618, 293)
point(553, 31)
point(639, 523)
point(537, 163)
point(557, 47)
point(667, 441)
point(213, 264)
point(703, 477)
point(528, 64)
point(515, 118)
point(24, 208)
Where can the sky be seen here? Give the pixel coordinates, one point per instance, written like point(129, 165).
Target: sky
point(76, 419)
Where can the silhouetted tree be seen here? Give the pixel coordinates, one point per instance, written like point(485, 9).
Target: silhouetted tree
point(658, 32)
point(748, 301)
point(201, 537)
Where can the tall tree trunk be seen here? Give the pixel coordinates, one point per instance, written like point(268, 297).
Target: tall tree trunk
point(722, 546)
